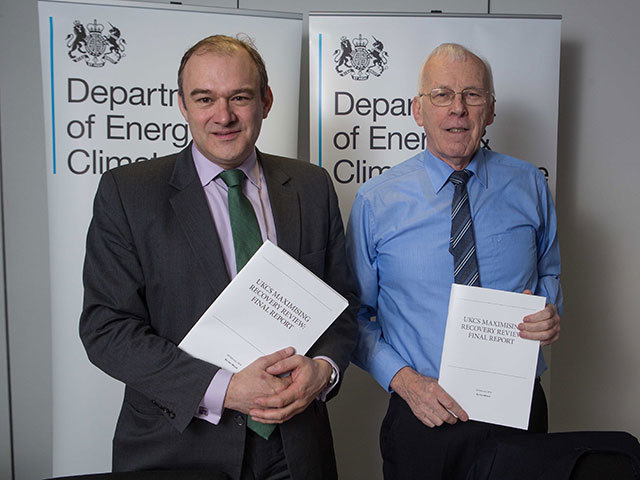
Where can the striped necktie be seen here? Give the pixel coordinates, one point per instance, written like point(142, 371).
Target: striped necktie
point(462, 244)
point(246, 240)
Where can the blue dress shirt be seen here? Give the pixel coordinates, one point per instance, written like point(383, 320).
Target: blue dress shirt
point(398, 240)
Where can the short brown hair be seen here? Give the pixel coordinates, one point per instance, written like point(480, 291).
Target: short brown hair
point(225, 45)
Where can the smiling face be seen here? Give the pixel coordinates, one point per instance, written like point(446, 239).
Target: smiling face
point(453, 132)
point(223, 106)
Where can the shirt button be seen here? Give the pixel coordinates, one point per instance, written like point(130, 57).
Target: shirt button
point(239, 420)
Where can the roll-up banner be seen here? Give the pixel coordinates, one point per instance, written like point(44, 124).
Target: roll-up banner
point(364, 73)
point(109, 72)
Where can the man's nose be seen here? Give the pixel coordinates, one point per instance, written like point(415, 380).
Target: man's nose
point(457, 105)
point(223, 113)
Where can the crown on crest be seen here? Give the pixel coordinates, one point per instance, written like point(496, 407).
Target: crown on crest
point(95, 27)
point(360, 41)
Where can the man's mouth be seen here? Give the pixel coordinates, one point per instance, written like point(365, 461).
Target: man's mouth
point(226, 134)
point(457, 130)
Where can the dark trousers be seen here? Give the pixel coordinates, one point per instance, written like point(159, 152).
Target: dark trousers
point(264, 459)
point(411, 450)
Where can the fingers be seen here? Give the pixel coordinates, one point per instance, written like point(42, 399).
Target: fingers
point(543, 326)
point(280, 399)
point(436, 415)
point(548, 313)
point(279, 408)
point(536, 327)
point(282, 406)
point(453, 408)
point(306, 384)
point(445, 409)
point(428, 401)
point(254, 382)
point(286, 365)
point(275, 357)
point(277, 415)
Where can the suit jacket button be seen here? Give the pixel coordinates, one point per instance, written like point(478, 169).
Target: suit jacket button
point(239, 420)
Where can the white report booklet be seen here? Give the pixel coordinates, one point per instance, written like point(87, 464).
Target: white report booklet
point(273, 303)
point(486, 367)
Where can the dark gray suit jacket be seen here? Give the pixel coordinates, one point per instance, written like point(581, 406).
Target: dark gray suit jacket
point(153, 265)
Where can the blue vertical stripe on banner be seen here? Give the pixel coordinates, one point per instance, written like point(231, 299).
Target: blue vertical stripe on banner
point(53, 110)
point(320, 99)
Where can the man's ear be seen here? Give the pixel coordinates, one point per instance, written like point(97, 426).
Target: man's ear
point(183, 108)
point(491, 113)
point(267, 102)
point(416, 110)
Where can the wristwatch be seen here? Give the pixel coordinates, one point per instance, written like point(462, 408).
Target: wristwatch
point(333, 378)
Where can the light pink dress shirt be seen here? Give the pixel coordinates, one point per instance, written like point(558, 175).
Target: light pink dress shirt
point(255, 189)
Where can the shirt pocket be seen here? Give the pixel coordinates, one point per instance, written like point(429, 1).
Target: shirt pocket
point(510, 259)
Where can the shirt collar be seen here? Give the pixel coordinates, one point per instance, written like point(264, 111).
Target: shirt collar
point(439, 172)
point(208, 171)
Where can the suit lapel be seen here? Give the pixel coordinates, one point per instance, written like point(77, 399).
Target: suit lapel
point(285, 205)
point(192, 211)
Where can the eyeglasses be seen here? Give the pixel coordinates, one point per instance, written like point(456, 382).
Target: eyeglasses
point(472, 97)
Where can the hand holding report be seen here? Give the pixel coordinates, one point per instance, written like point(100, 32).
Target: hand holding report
point(274, 302)
point(485, 365)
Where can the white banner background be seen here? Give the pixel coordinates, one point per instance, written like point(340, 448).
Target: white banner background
point(85, 125)
point(351, 140)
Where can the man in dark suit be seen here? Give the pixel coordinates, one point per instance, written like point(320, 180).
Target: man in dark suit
point(160, 249)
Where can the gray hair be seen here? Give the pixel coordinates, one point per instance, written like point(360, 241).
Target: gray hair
point(457, 52)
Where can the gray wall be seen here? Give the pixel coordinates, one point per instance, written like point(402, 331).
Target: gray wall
point(25, 233)
point(594, 382)
point(5, 411)
point(595, 379)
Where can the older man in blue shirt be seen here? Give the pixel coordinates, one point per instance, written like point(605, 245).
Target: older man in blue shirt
point(399, 245)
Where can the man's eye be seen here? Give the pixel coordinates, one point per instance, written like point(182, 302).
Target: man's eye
point(203, 100)
point(240, 99)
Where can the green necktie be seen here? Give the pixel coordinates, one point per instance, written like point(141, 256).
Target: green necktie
point(246, 240)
